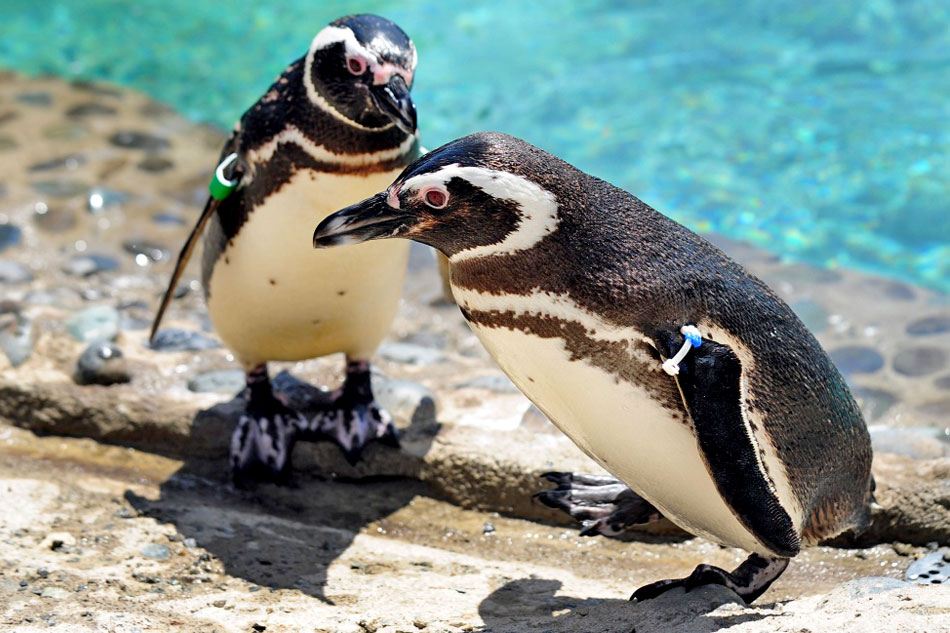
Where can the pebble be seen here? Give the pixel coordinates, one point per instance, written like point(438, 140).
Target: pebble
point(90, 264)
point(55, 593)
point(942, 383)
point(177, 340)
point(53, 220)
point(65, 131)
point(874, 402)
point(856, 359)
point(218, 381)
point(16, 340)
point(410, 354)
point(10, 235)
point(155, 164)
point(404, 399)
point(60, 188)
point(35, 98)
point(147, 249)
point(932, 569)
point(102, 198)
point(493, 383)
point(929, 325)
point(168, 218)
point(919, 361)
point(98, 323)
point(102, 364)
point(90, 109)
point(138, 140)
point(70, 161)
point(12, 272)
point(156, 551)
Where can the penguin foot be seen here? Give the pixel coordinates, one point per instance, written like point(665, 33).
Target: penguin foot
point(749, 580)
point(602, 504)
point(353, 419)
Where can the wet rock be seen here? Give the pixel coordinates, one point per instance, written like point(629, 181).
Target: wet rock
point(35, 98)
point(138, 140)
point(929, 325)
point(70, 161)
point(156, 551)
point(918, 443)
point(873, 402)
point(155, 164)
point(411, 354)
point(98, 323)
point(493, 382)
point(102, 364)
point(404, 399)
point(932, 569)
point(919, 361)
point(12, 272)
point(53, 220)
point(90, 264)
point(218, 381)
point(177, 340)
point(169, 219)
point(102, 198)
point(10, 235)
point(16, 338)
point(812, 314)
point(856, 359)
point(60, 188)
point(90, 109)
point(146, 249)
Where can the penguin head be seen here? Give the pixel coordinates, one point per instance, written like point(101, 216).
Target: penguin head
point(360, 69)
point(483, 194)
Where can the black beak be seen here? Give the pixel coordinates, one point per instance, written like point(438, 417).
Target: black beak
point(367, 220)
point(393, 99)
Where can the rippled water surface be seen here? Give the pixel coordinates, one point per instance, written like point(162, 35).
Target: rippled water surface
point(820, 130)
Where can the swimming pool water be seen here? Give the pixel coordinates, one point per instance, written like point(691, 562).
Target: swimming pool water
point(818, 130)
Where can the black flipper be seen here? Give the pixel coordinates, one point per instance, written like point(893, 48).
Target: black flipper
point(602, 504)
point(709, 382)
point(749, 580)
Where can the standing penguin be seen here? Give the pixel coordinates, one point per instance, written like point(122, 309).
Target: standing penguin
point(661, 358)
point(336, 126)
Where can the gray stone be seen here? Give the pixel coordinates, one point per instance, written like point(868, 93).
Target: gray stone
point(218, 381)
point(138, 140)
point(55, 593)
point(12, 272)
point(53, 220)
point(168, 218)
point(90, 109)
point(177, 340)
point(929, 325)
point(492, 382)
point(35, 98)
point(16, 339)
point(411, 354)
point(156, 551)
point(915, 442)
point(873, 402)
point(98, 323)
point(102, 364)
point(856, 359)
point(919, 361)
point(90, 264)
point(10, 236)
point(60, 188)
point(155, 164)
point(102, 198)
point(932, 569)
point(943, 382)
point(148, 249)
point(70, 161)
point(403, 399)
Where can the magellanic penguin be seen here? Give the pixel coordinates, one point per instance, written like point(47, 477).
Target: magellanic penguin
point(336, 126)
point(582, 294)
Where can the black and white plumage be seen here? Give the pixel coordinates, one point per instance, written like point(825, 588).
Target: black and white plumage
point(579, 291)
point(336, 126)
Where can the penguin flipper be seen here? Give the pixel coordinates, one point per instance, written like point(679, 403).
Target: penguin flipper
point(602, 504)
point(210, 207)
point(709, 382)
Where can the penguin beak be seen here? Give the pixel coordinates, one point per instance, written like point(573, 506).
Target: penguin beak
point(370, 219)
point(393, 99)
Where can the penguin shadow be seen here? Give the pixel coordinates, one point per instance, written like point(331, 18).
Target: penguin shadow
point(530, 605)
point(284, 536)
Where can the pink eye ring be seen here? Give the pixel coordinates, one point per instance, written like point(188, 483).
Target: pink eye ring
point(436, 198)
point(356, 65)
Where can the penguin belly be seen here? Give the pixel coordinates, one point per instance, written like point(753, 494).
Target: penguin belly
point(272, 296)
point(623, 428)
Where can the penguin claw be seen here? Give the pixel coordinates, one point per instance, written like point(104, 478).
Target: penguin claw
point(352, 428)
point(261, 445)
point(749, 580)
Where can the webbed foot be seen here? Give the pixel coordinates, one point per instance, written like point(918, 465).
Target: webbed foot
point(602, 504)
point(749, 580)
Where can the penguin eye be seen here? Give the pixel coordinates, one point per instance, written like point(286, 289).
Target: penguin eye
point(436, 198)
point(356, 65)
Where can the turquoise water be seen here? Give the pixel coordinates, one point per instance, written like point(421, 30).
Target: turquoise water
point(819, 130)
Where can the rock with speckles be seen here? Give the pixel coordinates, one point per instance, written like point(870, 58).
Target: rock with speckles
point(102, 364)
point(178, 340)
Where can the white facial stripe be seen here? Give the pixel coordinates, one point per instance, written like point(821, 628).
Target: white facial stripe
point(327, 37)
point(291, 134)
point(537, 206)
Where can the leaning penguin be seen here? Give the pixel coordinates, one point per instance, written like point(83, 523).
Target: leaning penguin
point(336, 126)
point(664, 360)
